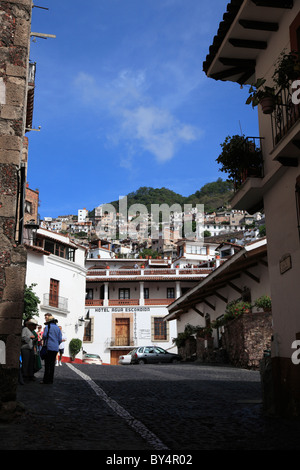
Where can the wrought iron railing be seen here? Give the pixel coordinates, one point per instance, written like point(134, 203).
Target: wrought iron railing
point(55, 301)
point(254, 165)
point(285, 114)
point(121, 341)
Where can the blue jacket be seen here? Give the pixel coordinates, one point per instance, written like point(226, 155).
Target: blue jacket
point(54, 338)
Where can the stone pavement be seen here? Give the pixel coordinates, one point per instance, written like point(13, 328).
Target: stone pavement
point(64, 416)
point(68, 415)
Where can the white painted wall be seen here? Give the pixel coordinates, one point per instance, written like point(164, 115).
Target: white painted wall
point(40, 269)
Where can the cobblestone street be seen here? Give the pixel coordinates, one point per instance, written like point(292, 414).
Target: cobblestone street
point(182, 407)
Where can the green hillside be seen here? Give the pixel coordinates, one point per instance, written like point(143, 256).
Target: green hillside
point(213, 195)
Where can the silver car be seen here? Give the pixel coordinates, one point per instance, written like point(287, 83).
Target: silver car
point(153, 355)
point(126, 358)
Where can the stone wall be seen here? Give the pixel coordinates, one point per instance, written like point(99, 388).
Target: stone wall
point(15, 25)
point(244, 342)
point(246, 338)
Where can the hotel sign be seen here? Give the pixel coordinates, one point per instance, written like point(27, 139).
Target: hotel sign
point(122, 309)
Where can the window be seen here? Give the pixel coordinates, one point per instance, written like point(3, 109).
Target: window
point(124, 293)
point(49, 246)
point(146, 293)
point(170, 293)
point(88, 330)
point(60, 250)
point(28, 207)
point(54, 290)
point(160, 329)
point(89, 294)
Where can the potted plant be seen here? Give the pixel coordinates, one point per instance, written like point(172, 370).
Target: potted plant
point(237, 157)
point(74, 347)
point(264, 302)
point(287, 69)
point(236, 308)
point(263, 95)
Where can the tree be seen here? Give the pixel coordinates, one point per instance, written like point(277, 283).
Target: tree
point(31, 302)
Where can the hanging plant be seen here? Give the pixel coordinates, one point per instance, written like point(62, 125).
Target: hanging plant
point(263, 95)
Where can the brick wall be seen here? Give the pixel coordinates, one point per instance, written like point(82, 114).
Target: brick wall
point(15, 25)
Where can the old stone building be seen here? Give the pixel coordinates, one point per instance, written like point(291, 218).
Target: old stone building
point(15, 26)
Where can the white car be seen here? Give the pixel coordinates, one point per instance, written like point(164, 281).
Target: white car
point(126, 358)
point(91, 359)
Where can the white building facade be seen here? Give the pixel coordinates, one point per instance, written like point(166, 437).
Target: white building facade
point(57, 268)
point(126, 302)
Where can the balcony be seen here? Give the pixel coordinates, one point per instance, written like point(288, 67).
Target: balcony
point(55, 302)
point(248, 180)
point(108, 274)
point(127, 302)
point(121, 342)
point(285, 128)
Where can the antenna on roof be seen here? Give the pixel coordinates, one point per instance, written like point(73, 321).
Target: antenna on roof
point(240, 128)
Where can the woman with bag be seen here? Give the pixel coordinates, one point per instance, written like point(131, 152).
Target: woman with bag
point(52, 338)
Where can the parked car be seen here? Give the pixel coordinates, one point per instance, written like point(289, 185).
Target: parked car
point(153, 355)
point(91, 359)
point(126, 358)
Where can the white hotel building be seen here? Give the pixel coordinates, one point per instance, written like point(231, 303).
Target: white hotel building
point(127, 299)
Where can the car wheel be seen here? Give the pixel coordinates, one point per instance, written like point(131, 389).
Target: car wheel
point(141, 361)
point(174, 361)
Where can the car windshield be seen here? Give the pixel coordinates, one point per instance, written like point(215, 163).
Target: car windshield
point(160, 350)
point(93, 355)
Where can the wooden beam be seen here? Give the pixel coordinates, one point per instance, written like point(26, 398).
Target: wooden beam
point(209, 304)
point(233, 286)
point(274, 3)
point(252, 276)
point(228, 73)
point(248, 43)
point(259, 25)
point(288, 161)
point(243, 79)
point(198, 311)
point(232, 62)
point(217, 294)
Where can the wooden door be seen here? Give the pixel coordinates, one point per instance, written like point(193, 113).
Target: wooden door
point(122, 330)
point(115, 354)
point(54, 290)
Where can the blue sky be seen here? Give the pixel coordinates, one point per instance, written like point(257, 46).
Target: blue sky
point(123, 102)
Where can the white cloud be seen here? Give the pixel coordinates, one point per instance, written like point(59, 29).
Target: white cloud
point(156, 131)
point(139, 123)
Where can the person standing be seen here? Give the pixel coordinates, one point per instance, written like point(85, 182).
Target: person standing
point(52, 338)
point(61, 348)
point(27, 350)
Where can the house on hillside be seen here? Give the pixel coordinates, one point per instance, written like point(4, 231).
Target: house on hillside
point(259, 39)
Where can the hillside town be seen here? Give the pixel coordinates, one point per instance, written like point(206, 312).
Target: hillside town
point(217, 287)
point(121, 296)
